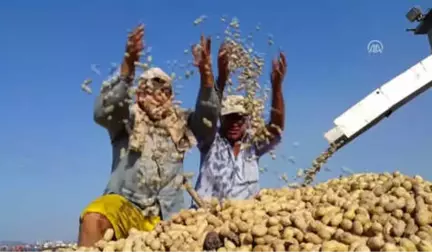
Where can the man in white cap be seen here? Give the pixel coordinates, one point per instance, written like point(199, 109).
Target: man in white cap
point(149, 140)
point(227, 170)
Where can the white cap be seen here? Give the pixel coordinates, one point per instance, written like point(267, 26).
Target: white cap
point(155, 72)
point(233, 104)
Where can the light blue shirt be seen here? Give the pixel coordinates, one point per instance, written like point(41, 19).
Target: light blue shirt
point(223, 175)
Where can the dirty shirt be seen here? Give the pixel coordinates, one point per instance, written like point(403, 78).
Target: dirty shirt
point(150, 179)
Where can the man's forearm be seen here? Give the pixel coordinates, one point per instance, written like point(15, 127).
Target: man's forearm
point(221, 83)
point(127, 71)
point(207, 79)
point(203, 121)
point(277, 114)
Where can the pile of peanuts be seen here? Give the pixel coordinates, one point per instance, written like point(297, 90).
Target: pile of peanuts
point(362, 212)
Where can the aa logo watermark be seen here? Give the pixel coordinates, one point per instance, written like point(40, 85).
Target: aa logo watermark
point(375, 47)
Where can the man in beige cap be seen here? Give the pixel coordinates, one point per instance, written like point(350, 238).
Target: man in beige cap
point(149, 140)
point(227, 170)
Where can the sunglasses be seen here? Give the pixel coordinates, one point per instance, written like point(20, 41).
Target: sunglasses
point(235, 118)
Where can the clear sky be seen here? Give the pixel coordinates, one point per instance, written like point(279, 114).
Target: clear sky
point(54, 159)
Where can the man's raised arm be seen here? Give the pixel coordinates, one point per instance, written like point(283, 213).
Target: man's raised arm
point(277, 113)
point(111, 108)
point(223, 69)
point(203, 121)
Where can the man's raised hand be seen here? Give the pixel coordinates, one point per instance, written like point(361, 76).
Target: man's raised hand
point(223, 65)
point(279, 67)
point(133, 48)
point(202, 60)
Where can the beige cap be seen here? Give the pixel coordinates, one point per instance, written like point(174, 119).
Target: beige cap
point(233, 104)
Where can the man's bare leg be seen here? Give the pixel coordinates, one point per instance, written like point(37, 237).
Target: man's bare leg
point(92, 229)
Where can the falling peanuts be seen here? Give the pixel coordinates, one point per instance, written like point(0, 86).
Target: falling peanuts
point(279, 130)
point(252, 157)
point(293, 185)
point(132, 91)
point(318, 162)
point(87, 82)
point(105, 84)
point(299, 173)
point(270, 40)
point(144, 66)
point(109, 234)
point(284, 177)
point(86, 89)
point(149, 58)
point(207, 122)
point(189, 73)
point(109, 109)
point(235, 23)
point(122, 152)
point(199, 20)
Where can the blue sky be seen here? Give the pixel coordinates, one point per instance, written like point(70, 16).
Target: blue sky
point(54, 159)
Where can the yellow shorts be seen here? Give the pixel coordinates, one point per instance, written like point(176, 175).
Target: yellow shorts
point(122, 214)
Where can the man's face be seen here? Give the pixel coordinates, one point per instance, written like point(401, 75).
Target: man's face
point(154, 89)
point(152, 94)
point(233, 126)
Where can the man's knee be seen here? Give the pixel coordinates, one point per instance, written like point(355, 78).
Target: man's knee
point(95, 221)
point(92, 228)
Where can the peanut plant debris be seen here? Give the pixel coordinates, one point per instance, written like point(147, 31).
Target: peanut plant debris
point(362, 212)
